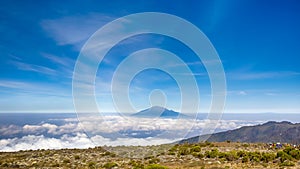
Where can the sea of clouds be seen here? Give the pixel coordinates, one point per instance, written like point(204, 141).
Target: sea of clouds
point(107, 130)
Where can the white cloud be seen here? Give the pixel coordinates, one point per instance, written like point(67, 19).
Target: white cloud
point(42, 142)
point(10, 130)
point(68, 128)
point(242, 93)
point(117, 124)
point(108, 130)
point(80, 140)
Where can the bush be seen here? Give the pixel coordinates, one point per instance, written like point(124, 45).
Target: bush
point(287, 149)
point(245, 145)
point(76, 157)
point(287, 163)
point(212, 154)
point(254, 156)
point(92, 164)
point(241, 153)
point(245, 159)
point(110, 165)
point(66, 161)
point(174, 148)
point(231, 156)
point(255, 159)
point(153, 160)
point(283, 156)
point(156, 166)
point(171, 153)
point(195, 149)
point(266, 157)
point(55, 165)
point(136, 164)
point(198, 155)
point(184, 151)
point(222, 155)
point(295, 154)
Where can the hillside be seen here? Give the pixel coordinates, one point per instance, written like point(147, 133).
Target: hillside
point(285, 132)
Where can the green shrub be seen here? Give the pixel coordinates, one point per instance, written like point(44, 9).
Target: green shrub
point(287, 163)
point(266, 157)
point(156, 166)
point(136, 164)
point(171, 153)
point(55, 165)
point(245, 159)
point(195, 149)
point(231, 156)
point(212, 154)
point(110, 165)
point(222, 155)
point(245, 145)
point(92, 164)
point(66, 161)
point(254, 156)
point(241, 153)
point(287, 149)
point(198, 155)
point(173, 149)
point(255, 159)
point(76, 157)
point(154, 160)
point(283, 156)
point(295, 154)
point(183, 151)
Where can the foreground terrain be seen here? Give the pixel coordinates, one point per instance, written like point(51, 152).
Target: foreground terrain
point(204, 155)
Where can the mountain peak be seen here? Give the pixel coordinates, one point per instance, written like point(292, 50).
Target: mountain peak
point(157, 111)
point(157, 108)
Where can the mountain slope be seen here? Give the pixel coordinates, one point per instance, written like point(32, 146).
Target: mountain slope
point(268, 132)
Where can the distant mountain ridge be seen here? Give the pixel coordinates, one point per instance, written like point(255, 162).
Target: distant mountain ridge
point(157, 111)
point(285, 132)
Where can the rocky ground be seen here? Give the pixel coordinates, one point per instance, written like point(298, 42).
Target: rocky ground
point(195, 156)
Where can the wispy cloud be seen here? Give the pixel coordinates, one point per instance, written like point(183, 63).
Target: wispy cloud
point(198, 63)
point(33, 88)
point(243, 93)
point(65, 65)
point(64, 61)
point(260, 75)
point(74, 29)
point(32, 67)
point(39, 101)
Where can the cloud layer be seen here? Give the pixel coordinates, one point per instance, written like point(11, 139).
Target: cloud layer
point(108, 130)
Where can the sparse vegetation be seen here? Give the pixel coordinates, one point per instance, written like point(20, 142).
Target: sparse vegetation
point(200, 155)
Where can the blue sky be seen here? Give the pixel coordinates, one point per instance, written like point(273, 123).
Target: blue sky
point(257, 42)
